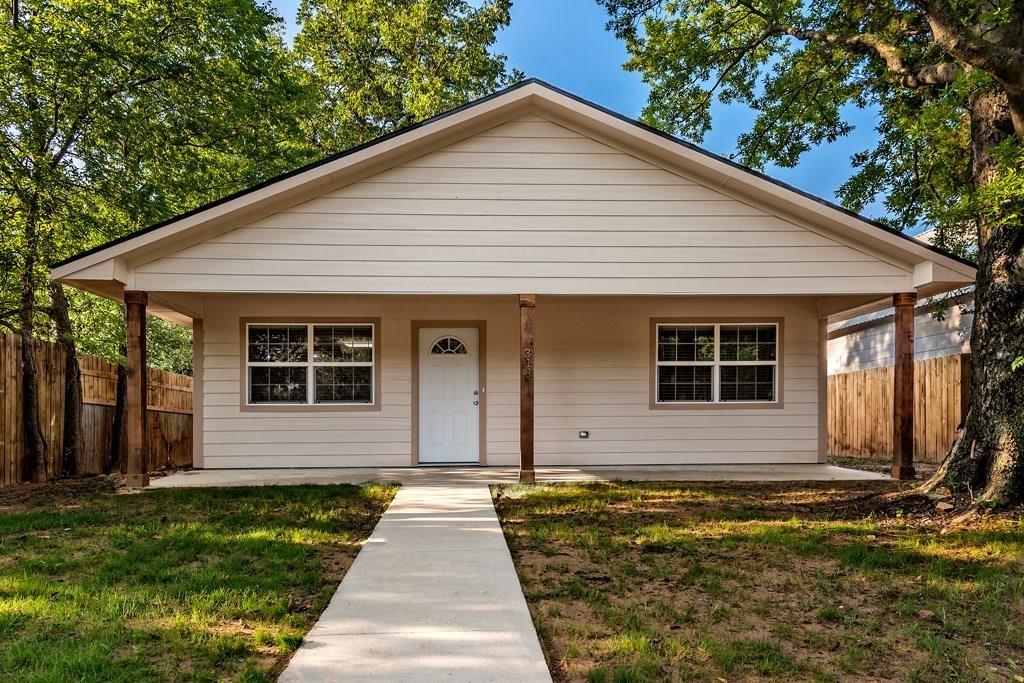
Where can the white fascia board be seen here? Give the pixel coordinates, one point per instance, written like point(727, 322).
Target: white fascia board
point(927, 274)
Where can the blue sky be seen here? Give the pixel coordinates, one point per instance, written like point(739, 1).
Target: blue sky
point(565, 43)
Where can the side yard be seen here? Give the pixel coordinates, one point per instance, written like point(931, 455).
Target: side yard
point(734, 581)
point(881, 465)
point(203, 585)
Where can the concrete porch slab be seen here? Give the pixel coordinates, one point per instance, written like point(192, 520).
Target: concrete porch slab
point(496, 475)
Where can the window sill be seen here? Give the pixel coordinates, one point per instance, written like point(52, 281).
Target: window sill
point(728, 405)
point(309, 408)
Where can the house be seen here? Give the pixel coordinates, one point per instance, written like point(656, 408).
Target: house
point(865, 342)
point(529, 278)
point(942, 327)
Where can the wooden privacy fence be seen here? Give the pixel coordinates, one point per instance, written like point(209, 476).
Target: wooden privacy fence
point(168, 416)
point(860, 408)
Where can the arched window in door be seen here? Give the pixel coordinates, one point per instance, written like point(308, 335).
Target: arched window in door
point(448, 345)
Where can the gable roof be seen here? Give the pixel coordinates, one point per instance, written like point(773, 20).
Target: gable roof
point(357, 159)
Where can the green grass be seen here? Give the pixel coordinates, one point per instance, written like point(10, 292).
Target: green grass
point(207, 584)
point(656, 581)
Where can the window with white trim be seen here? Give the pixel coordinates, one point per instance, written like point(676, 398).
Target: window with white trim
point(310, 363)
point(717, 362)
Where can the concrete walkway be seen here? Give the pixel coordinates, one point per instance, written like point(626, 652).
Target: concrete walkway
point(497, 475)
point(432, 596)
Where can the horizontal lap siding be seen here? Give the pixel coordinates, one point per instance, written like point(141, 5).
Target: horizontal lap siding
point(593, 365)
point(593, 373)
point(527, 206)
point(509, 269)
point(236, 438)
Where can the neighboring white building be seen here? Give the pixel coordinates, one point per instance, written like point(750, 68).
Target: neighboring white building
point(366, 310)
point(942, 328)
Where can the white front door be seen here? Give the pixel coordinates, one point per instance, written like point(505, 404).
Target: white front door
point(449, 420)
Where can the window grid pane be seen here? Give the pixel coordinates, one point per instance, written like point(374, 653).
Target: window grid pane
point(277, 344)
point(684, 383)
point(747, 343)
point(280, 363)
point(747, 383)
point(277, 384)
point(344, 384)
point(687, 343)
point(342, 344)
point(747, 358)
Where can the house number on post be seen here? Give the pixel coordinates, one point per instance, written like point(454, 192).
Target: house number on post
point(527, 303)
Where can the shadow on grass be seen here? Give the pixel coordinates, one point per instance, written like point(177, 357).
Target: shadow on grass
point(200, 585)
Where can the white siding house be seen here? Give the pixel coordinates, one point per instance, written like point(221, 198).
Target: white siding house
point(366, 310)
point(866, 342)
point(942, 327)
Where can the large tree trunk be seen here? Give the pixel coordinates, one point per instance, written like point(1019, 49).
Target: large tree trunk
point(115, 461)
point(73, 439)
point(987, 458)
point(34, 464)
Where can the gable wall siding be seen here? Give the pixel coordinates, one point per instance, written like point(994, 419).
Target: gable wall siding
point(873, 347)
point(526, 206)
point(592, 370)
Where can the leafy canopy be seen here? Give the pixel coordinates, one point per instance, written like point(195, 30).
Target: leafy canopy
point(117, 115)
point(114, 116)
point(800, 66)
point(380, 65)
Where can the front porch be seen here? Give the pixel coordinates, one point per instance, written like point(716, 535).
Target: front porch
point(505, 475)
point(572, 385)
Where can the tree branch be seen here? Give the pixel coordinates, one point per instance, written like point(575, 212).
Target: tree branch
point(85, 116)
point(765, 35)
point(928, 76)
point(11, 313)
point(949, 33)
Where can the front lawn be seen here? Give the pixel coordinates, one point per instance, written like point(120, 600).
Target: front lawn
point(206, 584)
point(661, 581)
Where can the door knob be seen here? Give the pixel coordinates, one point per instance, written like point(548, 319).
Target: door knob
point(476, 403)
point(476, 393)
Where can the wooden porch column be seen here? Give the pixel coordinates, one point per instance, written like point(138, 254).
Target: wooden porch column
point(903, 387)
point(527, 305)
point(135, 391)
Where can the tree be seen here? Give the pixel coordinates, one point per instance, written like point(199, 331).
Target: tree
point(947, 77)
point(380, 65)
point(114, 116)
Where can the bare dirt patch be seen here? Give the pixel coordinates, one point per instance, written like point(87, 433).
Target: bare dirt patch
point(806, 581)
point(61, 492)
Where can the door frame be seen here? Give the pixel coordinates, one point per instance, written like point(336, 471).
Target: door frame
point(481, 326)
